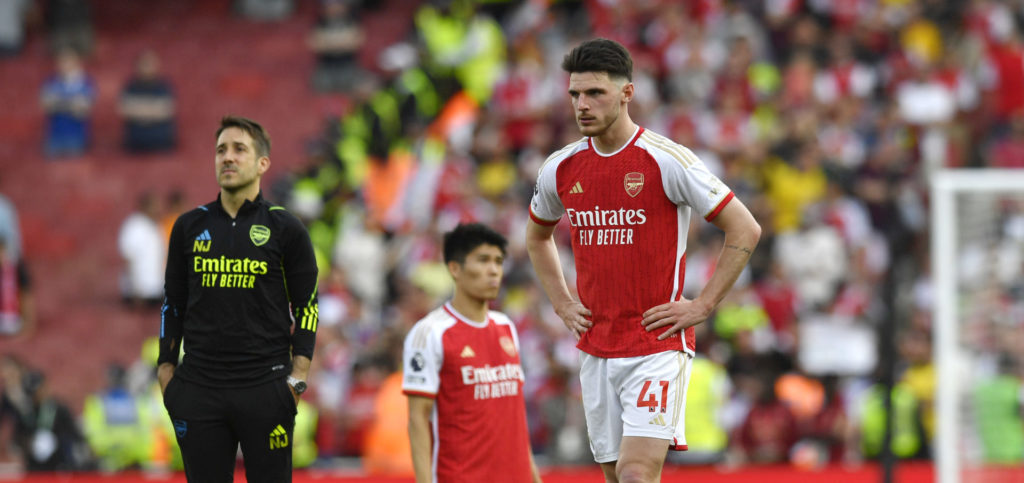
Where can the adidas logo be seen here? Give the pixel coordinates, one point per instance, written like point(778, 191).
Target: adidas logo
point(467, 352)
point(278, 438)
point(576, 189)
point(658, 420)
point(203, 242)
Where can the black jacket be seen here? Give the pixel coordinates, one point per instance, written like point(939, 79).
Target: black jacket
point(233, 289)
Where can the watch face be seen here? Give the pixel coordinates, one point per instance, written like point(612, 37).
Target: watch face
point(300, 387)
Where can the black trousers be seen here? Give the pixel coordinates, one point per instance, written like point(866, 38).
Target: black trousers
point(210, 423)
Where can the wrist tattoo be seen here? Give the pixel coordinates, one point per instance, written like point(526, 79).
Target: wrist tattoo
point(742, 249)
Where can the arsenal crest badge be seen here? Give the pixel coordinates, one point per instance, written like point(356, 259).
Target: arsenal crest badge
point(259, 234)
point(508, 345)
point(634, 182)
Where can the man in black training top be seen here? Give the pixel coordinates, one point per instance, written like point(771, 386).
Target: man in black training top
point(240, 272)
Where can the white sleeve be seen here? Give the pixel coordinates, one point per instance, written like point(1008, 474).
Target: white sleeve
point(421, 361)
point(687, 181)
point(546, 207)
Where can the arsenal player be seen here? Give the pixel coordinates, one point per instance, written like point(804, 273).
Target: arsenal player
point(467, 416)
point(628, 194)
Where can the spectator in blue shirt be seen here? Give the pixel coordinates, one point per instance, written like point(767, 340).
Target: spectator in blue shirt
point(67, 98)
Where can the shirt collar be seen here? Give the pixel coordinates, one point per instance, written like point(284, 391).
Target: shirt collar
point(247, 205)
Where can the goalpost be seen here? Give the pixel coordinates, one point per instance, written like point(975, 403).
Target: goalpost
point(976, 215)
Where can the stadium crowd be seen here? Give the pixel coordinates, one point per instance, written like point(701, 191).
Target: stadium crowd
point(826, 117)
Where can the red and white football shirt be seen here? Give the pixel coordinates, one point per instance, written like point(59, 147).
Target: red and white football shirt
point(472, 371)
point(629, 213)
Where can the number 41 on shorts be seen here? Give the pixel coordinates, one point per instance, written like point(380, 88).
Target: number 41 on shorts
point(651, 401)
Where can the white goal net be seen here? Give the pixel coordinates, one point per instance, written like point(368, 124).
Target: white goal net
point(977, 263)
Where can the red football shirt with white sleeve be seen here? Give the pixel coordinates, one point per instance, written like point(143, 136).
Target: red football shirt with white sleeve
point(629, 213)
point(472, 371)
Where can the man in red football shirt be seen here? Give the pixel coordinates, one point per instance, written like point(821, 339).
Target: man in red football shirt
point(467, 416)
point(628, 194)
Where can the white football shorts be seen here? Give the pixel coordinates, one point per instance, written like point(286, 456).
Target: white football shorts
point(634, 396)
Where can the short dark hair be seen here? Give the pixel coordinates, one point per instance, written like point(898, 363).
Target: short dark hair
point(599, 55)
point(260, 138)
point(467, 237)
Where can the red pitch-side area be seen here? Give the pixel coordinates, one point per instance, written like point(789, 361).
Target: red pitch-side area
point(915, 472)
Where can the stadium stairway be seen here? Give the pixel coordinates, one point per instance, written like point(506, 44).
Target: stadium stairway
point(71, 209)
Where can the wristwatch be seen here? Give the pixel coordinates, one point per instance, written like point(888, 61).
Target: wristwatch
point(298, 385)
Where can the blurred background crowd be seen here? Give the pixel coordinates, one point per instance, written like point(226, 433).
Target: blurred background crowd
point(826, 118)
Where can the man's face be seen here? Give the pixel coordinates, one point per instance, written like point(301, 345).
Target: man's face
point(480, 275)
point(597, 100)
point(148, 66)
point(68, 64)
point(237, 163)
